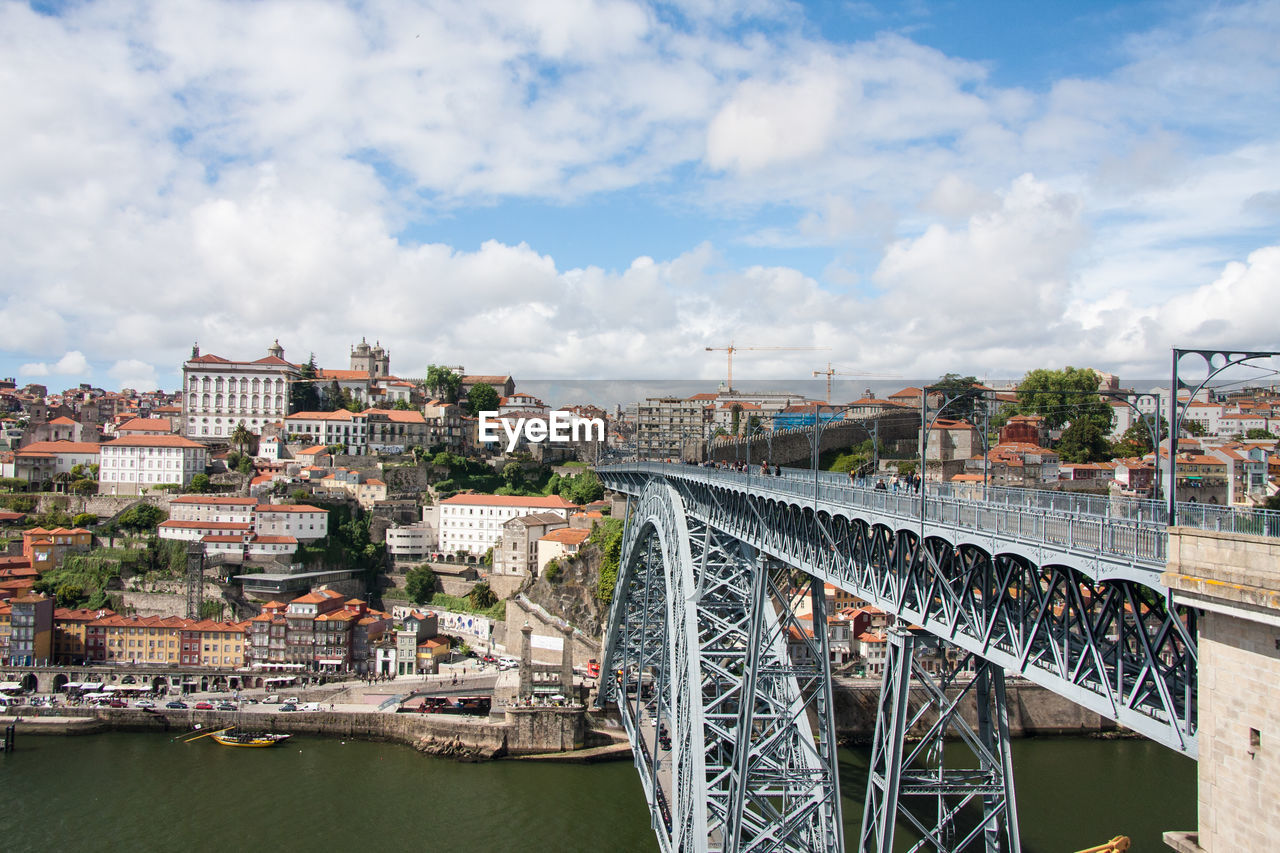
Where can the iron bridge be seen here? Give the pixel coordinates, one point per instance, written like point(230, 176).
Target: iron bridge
point(718, 662)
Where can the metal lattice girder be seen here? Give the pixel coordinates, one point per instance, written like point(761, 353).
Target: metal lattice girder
point(950, 809)
point(724, 694)
point(1113, 644)
point(195, 579)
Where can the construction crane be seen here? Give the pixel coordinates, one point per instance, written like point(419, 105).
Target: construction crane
point(829, 373)
point(731, 349)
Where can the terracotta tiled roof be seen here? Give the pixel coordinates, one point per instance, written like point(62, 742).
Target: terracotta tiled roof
point(567, 535)
point(551, 502)
point(160, 425)
point(154, 441)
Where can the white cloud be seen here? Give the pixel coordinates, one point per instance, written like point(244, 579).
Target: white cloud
point(230, 173)
point(72, 364)
point(135, 374)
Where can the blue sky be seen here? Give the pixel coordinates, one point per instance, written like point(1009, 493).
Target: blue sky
point(601, 189)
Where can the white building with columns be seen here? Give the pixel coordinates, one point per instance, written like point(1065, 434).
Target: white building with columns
point(220, 394)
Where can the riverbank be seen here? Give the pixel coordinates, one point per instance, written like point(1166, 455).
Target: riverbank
point(521, 732)
point(569, 735)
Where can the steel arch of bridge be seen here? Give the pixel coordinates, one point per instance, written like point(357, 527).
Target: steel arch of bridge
point(698, 610)
point(726, 700)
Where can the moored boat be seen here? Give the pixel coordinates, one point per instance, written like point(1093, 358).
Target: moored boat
point(253, 739)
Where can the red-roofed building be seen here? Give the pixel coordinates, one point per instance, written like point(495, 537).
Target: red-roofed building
point(42, 460)
point(220, 394)
point(559, 544)
point(135, 464)
point(145, 426)
point(473, 523)
point(45, 549)
point(72, 641)
point(212, 508)
point(322, 630)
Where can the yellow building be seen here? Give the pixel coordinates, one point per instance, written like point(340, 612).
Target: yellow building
point(145, 639)
point(209, 643)
point(71, 636)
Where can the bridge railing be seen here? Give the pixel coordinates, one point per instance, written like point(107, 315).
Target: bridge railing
point(1139, 542)
point(1149, 514)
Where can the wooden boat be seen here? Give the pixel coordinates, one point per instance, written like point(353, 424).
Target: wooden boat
point(252, 739)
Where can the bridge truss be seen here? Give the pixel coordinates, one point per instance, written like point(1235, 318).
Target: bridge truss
point(726, 696)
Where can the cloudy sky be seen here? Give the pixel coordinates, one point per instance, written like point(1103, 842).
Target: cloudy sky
point(572, 188)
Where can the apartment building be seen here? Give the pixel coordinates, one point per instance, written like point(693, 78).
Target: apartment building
point(133, 464)
point(473, 523)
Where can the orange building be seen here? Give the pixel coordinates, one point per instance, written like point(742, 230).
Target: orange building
point(46, 548)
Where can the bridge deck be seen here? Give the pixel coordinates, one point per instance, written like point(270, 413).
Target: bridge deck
point(1117, 530)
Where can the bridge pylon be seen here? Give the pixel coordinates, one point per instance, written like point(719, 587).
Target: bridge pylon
point(951, 808)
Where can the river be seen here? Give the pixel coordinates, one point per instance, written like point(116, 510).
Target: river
point(152, 792)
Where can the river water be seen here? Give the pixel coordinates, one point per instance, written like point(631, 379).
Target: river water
point(152, 792)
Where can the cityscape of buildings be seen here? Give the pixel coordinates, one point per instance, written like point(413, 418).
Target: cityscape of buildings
point(246, 459)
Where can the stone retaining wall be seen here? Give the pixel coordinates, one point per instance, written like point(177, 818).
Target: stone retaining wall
point(1033, 710)
point(526, 731)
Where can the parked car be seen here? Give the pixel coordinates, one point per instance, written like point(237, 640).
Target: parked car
point(271, 699)
point(288, 706)
point(175, 705)
point(118, 703)
point(227, 706)
point(310, 706)
point(248, 700)
point(204, 706)
point(144, 703)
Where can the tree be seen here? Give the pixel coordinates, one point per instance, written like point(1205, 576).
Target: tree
point(1194, 428)
point(420, 584)
point(1063, 396)
point(1084, 441)
point(964, 390)
point(482, 398)
point(735, 418)
point(513, 473)
point(241, 438)
point(1136, 440)
point(84, 487)
point(332, 398)
point(200, 484)
point(402, 406)
point(141, 517)
point(304, 396)
point(1256, 432)
point(443, 383)
point(245, 465)
point(481, 596)
point(581, 488)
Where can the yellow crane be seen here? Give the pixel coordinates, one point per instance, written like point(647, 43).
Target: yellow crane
point(731, 349)
point(829, 373)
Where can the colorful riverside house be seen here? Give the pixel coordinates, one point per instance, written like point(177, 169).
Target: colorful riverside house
point(31, 634)
point(214, 644)
point(72, 640)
